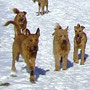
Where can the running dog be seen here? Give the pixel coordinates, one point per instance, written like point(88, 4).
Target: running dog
point(80, 40)
point(41, 5)
point(61, 47)
point(20, 19)
point(27, 46)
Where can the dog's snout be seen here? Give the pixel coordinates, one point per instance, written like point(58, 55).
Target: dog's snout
point(64, 41)
point(34, 49)
point(21, 19)
point(77, 35)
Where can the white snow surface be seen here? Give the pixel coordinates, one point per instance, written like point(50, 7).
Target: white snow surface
point(66, 13)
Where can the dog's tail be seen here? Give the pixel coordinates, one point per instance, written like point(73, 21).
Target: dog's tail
point(15, 10)
point(14, 23)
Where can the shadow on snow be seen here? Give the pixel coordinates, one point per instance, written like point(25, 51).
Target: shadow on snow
point(85, 57)
point(38, 72)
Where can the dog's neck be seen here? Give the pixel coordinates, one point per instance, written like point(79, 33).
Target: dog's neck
point(78, 39)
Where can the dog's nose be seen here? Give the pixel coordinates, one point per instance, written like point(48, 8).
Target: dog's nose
point(64, 41)
point(77, 35)
point(34, 48)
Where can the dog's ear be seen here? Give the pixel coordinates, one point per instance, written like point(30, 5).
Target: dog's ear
point(82, 27)
point(28, 31)
point(67, 28)
point(58, 27)
point(38, 32)
point(75, 27)
point(24, 12)
point(78, 25)
point(16, 11)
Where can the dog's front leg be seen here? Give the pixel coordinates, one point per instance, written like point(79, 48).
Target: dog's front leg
point(64, 63)
point(32, 69)
point(75, 55)
point(57, 62)
point(82, 56)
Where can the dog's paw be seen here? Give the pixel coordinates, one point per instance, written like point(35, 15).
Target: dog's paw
point(76, 61)
point(82, 63)
point(13, 74)
point(56, 70)
point(32, 79)
point(64, 68)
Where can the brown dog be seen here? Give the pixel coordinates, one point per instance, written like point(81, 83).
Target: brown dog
point(80, 40)
point(20, 19)
point(61, 47)
point(27, 46)
point(41, 5)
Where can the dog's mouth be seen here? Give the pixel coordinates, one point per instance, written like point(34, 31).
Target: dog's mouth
point(34, 49)
point(21, 21)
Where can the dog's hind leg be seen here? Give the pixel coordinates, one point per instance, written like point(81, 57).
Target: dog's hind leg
point(39, 6)
point(13, 61)
point(15, 54)
point(46, 8)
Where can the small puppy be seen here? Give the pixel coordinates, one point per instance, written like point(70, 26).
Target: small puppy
point(27, 46)
point(20, 19)
point(80, 40)
point(61, 47)
point(41, 5)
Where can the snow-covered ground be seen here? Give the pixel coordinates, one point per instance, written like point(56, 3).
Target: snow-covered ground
point(64, 12)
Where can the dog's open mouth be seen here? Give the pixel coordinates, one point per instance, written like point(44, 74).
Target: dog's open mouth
point(21, 21)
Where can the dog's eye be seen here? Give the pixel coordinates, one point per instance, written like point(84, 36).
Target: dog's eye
point(30, 40)
point(60, 35)
point(79, 31)
point(75, 31)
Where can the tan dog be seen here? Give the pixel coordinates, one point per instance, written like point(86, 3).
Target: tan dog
point(27, 46)
point(80, 40)
point(41, 5)
point(61, 47)
point(20, 19)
